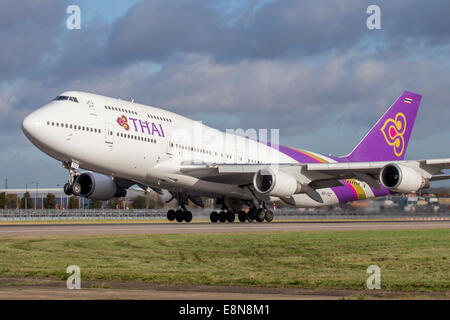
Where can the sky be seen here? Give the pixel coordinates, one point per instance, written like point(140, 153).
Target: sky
point(309, 68)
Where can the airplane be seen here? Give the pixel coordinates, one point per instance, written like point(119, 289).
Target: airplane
point(108, 145)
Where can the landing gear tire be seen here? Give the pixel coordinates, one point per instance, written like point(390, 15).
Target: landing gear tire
point(231, 217)
point(242, 216)
point(214, 217)
point(222, 216)
point(269, 215)
point(171, 215)
point(67, 189)
point(251, 215)
point(179, 216)
point(187, 216)
point(260, 214)
point(76, 188)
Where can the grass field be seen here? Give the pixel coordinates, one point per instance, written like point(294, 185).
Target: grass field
point(410, 260)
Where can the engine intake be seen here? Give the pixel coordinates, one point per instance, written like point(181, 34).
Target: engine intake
point(98, 186)
point(278, 184)
point(401, 178)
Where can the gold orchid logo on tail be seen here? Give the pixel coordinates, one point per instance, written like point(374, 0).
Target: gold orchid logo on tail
point(393, 130)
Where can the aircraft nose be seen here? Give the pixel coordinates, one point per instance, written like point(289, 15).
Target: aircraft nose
point(32, 124)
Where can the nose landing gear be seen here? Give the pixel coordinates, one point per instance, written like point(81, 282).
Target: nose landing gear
point(71, 187)
point(68, 189)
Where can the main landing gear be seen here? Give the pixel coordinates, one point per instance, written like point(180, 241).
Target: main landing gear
point(180, 215)
point(253, 214)
point(222, 216)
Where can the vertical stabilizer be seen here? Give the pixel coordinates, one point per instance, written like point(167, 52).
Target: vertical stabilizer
point(388, 138)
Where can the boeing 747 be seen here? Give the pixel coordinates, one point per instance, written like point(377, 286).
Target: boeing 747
point(121, 143)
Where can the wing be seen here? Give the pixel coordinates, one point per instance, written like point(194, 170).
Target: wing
point(317, 175)
point(236, 174)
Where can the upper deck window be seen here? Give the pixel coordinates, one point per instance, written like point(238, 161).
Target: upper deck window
point(74, 99)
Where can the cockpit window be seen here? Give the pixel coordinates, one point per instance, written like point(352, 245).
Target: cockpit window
point(74, 99)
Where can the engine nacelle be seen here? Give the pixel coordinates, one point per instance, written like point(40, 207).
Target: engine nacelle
point(278, 184)
point(98, 186)
point(401, 178)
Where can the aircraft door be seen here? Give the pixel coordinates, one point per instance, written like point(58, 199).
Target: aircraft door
point(109, 134)
point(91, 108)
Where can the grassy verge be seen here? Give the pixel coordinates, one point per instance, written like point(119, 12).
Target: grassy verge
point(410, 260)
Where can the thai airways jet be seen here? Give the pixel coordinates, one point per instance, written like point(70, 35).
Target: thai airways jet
point(123, 143)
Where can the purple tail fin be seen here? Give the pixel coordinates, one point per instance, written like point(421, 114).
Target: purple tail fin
point(388, 139)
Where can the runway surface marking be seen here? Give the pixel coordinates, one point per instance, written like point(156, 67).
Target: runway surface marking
point(39, 230)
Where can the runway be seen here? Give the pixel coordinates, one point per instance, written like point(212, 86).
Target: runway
point(20, 289)
point(185, 228)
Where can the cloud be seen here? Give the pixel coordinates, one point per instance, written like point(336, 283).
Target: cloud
point(27, 32)
point(8, 99)
point(157, 30)
point(291, 95)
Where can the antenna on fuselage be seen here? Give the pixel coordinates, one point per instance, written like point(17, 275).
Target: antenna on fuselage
point(132, 100)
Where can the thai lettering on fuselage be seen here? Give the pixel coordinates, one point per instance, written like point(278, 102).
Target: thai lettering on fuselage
point(150, 128)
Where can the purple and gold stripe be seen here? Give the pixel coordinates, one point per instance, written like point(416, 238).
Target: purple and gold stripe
point(349, 191)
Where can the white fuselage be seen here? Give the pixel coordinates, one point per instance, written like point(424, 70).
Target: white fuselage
point(88, 133)
point(147, 145)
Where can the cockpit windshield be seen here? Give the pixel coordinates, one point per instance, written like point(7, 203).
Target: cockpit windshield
point(74, 99)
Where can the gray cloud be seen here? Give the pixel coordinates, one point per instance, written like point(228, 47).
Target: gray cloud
point(298, 97)
point(27, 32)
point(156, 30)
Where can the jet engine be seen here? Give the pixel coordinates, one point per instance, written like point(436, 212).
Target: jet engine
point(278, 184)
point(401, 178)
point(97, 186)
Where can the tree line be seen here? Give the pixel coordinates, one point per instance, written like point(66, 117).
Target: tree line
point(13, 201)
